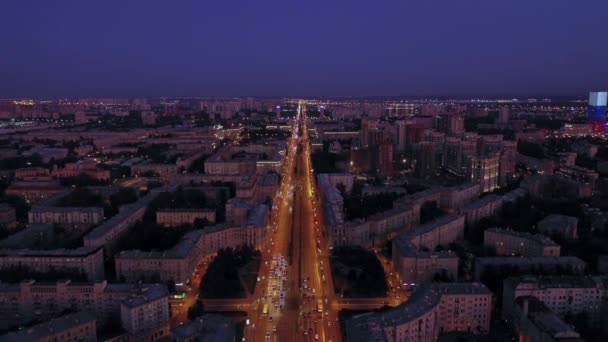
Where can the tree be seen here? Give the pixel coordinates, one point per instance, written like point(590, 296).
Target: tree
point(22, 207)
point(171, 286)
point(196, 310)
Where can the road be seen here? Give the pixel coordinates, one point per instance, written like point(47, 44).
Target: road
point(295, 282)
point(294, 299)
point(270, 291)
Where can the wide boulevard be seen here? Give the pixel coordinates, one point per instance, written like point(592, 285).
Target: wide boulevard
point(293, 299)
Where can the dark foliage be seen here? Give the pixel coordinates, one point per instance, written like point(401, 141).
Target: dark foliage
point(366, 276)
point(221, 279)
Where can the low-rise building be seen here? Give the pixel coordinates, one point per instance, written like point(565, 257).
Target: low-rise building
point(431, 310)
point(534, 322)
point(82, 167)
point(414, 256)
point(34, 191)
point(165, 171)
point(483, 207)
point(456, 197)
point(519, 265)
point(85, 260)
point(566, 227)
point(80, 326)
point(209, 327)
point(79, 218)
point(177, 217)
point(28, 300)
point(563, 295)
point(509, 242)
point(108, 233)
point(334, 179)
point(177, 263)
point(33, 174)
point(145, 313)
point(35, 236)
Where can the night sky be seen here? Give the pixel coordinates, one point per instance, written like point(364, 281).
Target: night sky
point(56, 48)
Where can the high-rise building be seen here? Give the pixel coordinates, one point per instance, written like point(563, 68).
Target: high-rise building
point(597, 110)
point(385, 159)
point(484, 170)
point(503, 114)
point(367, 125)
point(401, 135)
point(426, 156)
point(414, 133)
point(450, 124)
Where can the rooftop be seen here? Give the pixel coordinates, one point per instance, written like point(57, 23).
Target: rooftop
point(41, 331)
point(538, 238)
point(145, 295)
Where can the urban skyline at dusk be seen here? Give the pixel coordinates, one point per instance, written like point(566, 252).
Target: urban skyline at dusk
point(283, 171)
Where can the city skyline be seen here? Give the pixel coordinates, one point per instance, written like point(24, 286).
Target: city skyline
point(314, 171)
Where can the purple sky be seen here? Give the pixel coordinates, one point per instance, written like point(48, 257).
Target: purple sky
point(302, 47)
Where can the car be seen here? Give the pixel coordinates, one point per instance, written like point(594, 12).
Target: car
point(310, 331)
point(270, 318)
point(316, 336)
point(305, 332)
point(268, 336)
point(274, 329)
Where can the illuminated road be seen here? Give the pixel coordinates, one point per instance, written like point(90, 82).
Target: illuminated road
point(295, 282)
point(294, 298)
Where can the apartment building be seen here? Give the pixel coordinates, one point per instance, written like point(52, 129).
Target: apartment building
point(563, 226)
point(431, 310)
point(69, 217)
point(414, 255)
point(561, 294)
point(80, 326)
point(456, 197)
point(177, 217)
point(509, 242)
point(177, 263)
point(28, 300)
point(145, 313)
point(86, 260)
point(34, 191)
point(107, 234)
point(546, 264)
point(483, 207)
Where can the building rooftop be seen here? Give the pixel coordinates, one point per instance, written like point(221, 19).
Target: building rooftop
point(209, 327)
point(370, 326)
point(146, 294)
point(181, 250)
point(538, 238)
point(540, 260)
point(41, 331)
point(558, 281)
point(483, 202)
point(24, 252)
point(545, 320)
point(557, 219)
point(123, 214)
point(427, 227)
point(34, 235)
